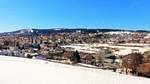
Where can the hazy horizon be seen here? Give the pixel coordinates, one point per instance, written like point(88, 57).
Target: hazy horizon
point(73, 28)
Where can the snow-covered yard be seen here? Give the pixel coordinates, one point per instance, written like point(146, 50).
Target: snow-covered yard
point(28, 71)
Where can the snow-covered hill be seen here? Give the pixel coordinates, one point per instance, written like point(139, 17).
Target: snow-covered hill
point(27, 71)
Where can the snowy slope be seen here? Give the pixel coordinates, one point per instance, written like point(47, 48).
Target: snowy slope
point(27, 71)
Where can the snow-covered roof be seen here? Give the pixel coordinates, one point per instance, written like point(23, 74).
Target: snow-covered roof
point(27, 71)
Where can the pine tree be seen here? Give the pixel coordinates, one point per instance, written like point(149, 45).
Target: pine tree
point(76, 57)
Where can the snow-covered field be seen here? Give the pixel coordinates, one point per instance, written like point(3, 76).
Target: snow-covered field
point(27, 71)
point(123, 50)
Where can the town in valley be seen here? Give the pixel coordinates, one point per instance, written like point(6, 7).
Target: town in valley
point(120, 51)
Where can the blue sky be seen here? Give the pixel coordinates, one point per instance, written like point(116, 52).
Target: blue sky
point(120, 14)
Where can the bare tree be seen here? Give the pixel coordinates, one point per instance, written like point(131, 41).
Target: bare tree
point(144, 70)
point(99, 58)
point(147, 57)
point(132, 61)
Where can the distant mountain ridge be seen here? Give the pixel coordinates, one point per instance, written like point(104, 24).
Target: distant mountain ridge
point(59, 30)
